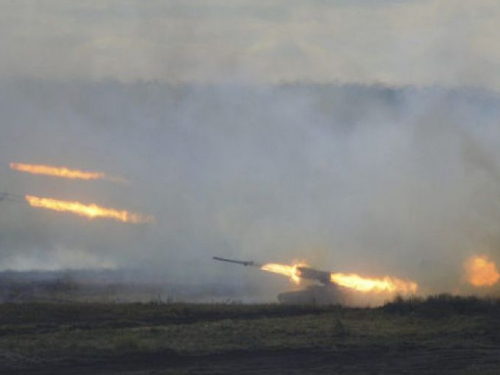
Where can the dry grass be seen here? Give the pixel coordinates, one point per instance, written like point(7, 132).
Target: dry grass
point(450, 334)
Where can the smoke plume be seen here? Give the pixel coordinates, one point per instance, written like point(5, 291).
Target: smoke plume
point(368, 179)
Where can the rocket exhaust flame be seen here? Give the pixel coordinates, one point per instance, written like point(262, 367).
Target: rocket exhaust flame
point(375, 285)
point(361, 284)
point(292, 272)
point(63, 172)
point(88, 210)
point(300, 270)
point(481, 272)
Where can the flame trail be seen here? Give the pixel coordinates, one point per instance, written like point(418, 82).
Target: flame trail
point(88, 210)
point(291, 271)
point(480, 271)
point(352, 281)
point(375, 285)
point(63, 172)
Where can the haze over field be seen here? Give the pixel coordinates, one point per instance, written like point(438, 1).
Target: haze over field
point(358, 136)
point(395, 42)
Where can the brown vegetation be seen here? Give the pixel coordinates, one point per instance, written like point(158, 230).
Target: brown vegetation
point(439, 335)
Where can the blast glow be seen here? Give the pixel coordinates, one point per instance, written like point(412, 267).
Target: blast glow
point(62, 172)
point(351, 281)
point(481, 272)
point(291, 271)
point(374, 285)
point(88, 210)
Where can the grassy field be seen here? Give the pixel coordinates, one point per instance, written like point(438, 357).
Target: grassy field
point(440, 335)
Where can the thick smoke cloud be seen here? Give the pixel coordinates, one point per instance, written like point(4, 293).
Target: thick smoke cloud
point(373, 180)
point(396, 42)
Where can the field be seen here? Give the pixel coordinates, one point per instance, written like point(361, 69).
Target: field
point(440, 335)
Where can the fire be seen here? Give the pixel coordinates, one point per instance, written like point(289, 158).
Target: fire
point(291, 271)
point(352, 281)
point(88, 210)
point(375, 285)
point(480, 271)
point(62, 172)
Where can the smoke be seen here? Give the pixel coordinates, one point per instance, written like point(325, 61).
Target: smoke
point(397, 42)
point(351, 178)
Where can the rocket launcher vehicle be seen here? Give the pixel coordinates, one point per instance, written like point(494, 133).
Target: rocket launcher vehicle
point(299, 272)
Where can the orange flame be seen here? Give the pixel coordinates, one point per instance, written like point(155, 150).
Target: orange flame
point(352, 281)
point(62, 172)
point(480, 271)
point(88, 210)
point(291, 271)
point(375, 285)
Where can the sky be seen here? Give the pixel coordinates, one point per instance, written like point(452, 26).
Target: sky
point(392, 42)
point(359, 136)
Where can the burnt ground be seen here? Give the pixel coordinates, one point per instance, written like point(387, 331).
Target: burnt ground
point(444, 335)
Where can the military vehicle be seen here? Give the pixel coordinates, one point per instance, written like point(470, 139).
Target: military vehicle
point(326, 293)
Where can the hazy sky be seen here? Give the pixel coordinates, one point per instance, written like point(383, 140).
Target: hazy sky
point(396, 42)
point(387, 176)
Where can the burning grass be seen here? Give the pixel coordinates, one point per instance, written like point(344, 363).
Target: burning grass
point(481, 271)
